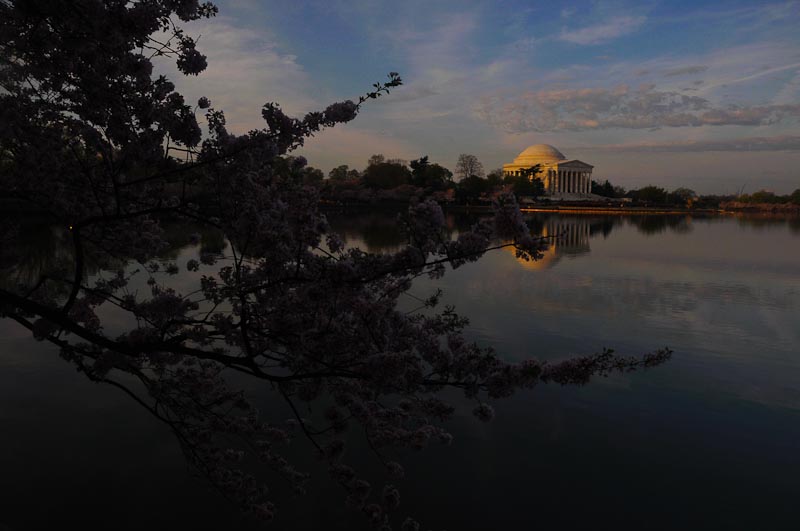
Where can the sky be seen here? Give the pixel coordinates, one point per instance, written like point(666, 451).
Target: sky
point(674, 93)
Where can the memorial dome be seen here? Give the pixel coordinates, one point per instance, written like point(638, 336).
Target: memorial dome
point(539, 154)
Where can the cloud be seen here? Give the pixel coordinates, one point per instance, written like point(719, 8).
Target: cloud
point(600, 33)
point(412, 93)
point(601, 108)
point(761, 73)
point(686, 70)
point(756, 143)
point(245, 70)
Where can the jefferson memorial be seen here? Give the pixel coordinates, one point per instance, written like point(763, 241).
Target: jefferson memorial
point(568, 179)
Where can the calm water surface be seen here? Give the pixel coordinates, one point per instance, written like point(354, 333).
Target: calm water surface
point(711, 440)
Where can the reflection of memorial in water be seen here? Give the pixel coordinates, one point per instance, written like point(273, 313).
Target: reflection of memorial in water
point(561, 237)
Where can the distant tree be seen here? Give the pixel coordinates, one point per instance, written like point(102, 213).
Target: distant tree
point(468, 166)
point(683, 196)
point(386, 175)
point(526, 184)
point(533, 187)
point(471, 189)
point(650, 194)
point(376, 159)
point(712, 201)
point(619, 191)
point(419, 171)
point(763, 196)
point(311, 175)
point(795, 197)
point(604, 190)
point(439, 177)
point(429, 175)
point(495, 177)
point(419, 165)
point(339, 173)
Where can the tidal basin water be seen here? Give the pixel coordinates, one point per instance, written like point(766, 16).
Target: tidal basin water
point(710, 440)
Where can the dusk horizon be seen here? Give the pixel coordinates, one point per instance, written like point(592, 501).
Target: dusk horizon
point(699, 95)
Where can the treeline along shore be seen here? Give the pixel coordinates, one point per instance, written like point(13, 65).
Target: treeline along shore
point(395, 181)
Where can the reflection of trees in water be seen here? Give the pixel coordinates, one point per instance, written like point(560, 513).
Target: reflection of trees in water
point(768, 221)
point(651, 224)
point(381, 232)
point(377, 231)
point(604, 225)
point(32, 249)
point(566, 235)
point(181, 234)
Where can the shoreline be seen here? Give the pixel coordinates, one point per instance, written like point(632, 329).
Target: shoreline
point(579, 209)
point(19, 208)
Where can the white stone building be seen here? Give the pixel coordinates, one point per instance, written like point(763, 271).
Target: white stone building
point(567, 179)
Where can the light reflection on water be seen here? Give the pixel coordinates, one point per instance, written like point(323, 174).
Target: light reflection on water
point(709, 440)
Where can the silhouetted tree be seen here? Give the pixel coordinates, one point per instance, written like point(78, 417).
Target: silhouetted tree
point(376, 159)
point(88, 136)
point(495, 177)
point(312, 175)
point(526, 183)
point(682, 196)
point(471, 189)
point(649, 194)
point(468, 166)
point(604, 190)
point(339, 173)
point(386, 175)
point(429, 175)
